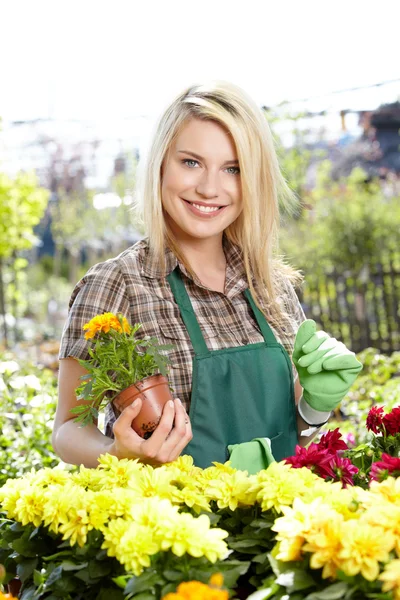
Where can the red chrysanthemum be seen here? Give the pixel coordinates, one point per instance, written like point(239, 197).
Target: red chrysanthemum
point(316, 459)
point(375, 419)
point(332, 441)
point(391, 421)
point(388, 465)
point(344, 470)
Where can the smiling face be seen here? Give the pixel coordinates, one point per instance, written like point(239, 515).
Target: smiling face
point(201, 189)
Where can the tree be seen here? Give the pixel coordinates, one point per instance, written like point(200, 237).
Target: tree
point(22, 205)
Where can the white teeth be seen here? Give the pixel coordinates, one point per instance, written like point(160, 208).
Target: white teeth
point(206, 208)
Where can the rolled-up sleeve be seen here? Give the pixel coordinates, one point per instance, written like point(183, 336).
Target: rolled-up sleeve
point(102, 289)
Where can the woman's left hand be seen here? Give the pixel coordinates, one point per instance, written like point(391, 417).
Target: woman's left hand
point(326, 368)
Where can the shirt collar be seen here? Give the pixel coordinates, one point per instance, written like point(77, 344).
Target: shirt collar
point(235, 272)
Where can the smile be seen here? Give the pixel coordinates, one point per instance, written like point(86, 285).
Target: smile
point(202, 209)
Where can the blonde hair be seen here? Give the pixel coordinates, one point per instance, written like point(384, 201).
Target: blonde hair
point(264, 189)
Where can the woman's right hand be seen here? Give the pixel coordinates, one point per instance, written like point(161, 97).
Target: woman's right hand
point(167, 441)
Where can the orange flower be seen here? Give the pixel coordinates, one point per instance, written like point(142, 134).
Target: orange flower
point(7, 596)
point(105, 322)
point(195, 590)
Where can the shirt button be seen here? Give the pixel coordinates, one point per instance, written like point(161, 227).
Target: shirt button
point(245, 341)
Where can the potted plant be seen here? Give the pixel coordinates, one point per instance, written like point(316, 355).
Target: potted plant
point(120, 369)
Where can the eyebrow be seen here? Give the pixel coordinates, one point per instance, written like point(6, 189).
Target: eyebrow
point(230, 162)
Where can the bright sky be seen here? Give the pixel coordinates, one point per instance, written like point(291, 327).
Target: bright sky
point(94, 59)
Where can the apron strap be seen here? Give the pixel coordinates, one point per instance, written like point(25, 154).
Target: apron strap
point(187, 313)
point(261, 320)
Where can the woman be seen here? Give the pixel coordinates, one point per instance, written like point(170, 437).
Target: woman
point(206, 280)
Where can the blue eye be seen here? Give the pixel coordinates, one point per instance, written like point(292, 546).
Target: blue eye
point(233, 170)
point(186, 162)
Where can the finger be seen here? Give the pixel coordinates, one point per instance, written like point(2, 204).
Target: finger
point(316, 367)
point(304, 333)
point(308, 359)
point(183, 441)
point(315, 342)
point(123, 425)
point(319, 364)
point(342, 361)
point(178, 433)
point(152, 446)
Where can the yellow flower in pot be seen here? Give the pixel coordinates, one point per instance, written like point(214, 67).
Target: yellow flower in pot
point(120, 368)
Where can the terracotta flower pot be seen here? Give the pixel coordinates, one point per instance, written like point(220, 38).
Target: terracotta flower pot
point(154, 392)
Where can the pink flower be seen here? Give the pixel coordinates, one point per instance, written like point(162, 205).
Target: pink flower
point(350, 439)
point(332, 441)
point(375, 419)
point(344, 470)
point(388, 465)
point(316, 459)
point(391, 421)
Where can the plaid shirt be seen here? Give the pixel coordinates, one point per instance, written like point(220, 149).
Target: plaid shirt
point(132, 284)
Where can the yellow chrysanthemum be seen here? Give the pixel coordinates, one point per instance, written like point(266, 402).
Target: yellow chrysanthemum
point(7, 596)
point(30, 505)
point(385, 515)
point(90, 479)
point(323, 540)
point(217, 470)
point(75, 525)
point(58, 504)
point(156, 513)
point(132, 544)
point(155, 482)
point(187, 494)
point(389, 489)
point(119, 472)
point(193, 536)
point(103, 323)
point(391, 578)
point(46, 477)
point(230, 490)
point(10, 494)
point(279, 485)
point(290, 549)
point(363, 548)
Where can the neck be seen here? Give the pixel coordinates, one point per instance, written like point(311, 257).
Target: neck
point(204, 255)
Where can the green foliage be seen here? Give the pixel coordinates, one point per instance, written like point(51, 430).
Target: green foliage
point(22, 205)
point(351, 225)
point(297, 581)
point(377, 384)
point(48, 566)
point(27, 406)
point(117, 360)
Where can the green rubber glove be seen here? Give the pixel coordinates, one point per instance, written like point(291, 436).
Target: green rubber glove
point(326, 368)
point(251, 456)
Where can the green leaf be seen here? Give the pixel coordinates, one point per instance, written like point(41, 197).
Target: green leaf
point(145, 596)
point(110, 594)
point(26, 568)
point(295, 580)
point(172, 575)
point(168, 589)
point(54, 576)
point(261, 558)
point(141, 583)
point(99, 569)
point(68, 565)
point(335, 591)
point(37, 578)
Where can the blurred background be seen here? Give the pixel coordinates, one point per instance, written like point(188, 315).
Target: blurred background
point(82, 85)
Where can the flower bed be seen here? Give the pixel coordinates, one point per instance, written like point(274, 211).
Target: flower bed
point(27, 404)
point(125, 530)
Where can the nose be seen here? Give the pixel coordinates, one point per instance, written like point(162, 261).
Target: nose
point(207, 185)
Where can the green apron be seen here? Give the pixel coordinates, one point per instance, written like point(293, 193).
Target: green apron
point(239, 393)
